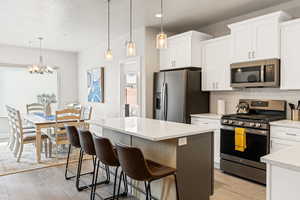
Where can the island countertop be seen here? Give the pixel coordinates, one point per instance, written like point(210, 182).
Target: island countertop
point(287, 158)
point(150, 129)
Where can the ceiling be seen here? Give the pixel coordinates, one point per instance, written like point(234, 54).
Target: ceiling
point(73, 25)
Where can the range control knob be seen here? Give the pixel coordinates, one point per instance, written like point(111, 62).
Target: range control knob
point(252, 124)
point(257, 125)
point(230, 122)
point(240, 123)
point(225, 121)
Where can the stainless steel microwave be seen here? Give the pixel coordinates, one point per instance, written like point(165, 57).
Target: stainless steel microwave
point(262, 73)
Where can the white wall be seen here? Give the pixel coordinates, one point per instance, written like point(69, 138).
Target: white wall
point(66, 61)
point(94, 57)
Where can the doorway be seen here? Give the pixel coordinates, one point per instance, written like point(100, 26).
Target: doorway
point(130, 88)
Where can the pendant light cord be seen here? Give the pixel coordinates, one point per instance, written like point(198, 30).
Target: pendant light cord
point(162, 15)
point(130, 20)
point(108, 25)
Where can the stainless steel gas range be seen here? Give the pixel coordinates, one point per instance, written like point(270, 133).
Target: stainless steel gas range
point(255, 119)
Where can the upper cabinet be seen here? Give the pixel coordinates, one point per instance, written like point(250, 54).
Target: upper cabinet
point(216, 59)
point(183, 50)
point(257, 38)
point(290, 61)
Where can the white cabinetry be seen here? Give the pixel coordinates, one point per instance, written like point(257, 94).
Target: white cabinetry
point(184, 50)
point(290, 62)
point(216, 58)
point(213, 124)
point(283, 137)
point(257, 38)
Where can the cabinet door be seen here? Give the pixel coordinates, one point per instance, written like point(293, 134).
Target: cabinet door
point(290, 62)
point(216, 74)
point(181, 51)
point(241, 43)
point(278, 144)
point(265, 40)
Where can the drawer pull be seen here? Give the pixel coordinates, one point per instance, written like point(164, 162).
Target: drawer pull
point(291, 134)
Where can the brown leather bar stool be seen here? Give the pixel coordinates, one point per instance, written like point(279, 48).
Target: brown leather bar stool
point(107, 155)
point(73, 137)
point(136, 167)
point(87, 145)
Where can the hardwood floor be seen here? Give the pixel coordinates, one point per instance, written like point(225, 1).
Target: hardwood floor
point(49, 184)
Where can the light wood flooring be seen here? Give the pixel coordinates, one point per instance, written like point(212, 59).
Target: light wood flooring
point(49, 184)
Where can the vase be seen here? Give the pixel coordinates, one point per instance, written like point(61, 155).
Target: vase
point(48, 110)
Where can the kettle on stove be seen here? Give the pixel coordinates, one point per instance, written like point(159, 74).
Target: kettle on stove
point(243, 108)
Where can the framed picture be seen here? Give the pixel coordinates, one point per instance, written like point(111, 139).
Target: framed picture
point(95, 83)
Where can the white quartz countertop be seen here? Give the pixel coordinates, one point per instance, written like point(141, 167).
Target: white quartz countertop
point(150, 129)
point(286, 123)
point(287, 158)
point(207, 116)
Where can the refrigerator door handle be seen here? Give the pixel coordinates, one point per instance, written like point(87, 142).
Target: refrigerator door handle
point(166, 101)
point(162, 103)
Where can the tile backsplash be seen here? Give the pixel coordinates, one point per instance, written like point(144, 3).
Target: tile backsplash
point(232, 97)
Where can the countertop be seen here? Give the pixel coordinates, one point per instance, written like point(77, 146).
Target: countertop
point(286, 123)
point(287, 158)
point(207, 116)
point(150, 129)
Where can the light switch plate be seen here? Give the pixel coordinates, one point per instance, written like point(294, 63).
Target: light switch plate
point(182, 141)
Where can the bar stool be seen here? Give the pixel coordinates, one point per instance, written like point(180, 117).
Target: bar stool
point(107, 155)
point(136, 167)
point(87, 145)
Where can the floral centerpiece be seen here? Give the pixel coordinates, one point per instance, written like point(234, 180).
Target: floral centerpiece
point(47, 100)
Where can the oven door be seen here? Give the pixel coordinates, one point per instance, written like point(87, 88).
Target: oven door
point(256, 140)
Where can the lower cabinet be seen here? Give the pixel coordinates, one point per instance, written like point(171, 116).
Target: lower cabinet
point(283, 137)
point(216, 125)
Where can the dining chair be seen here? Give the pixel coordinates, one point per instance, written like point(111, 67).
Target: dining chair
point(35, 107)
point(22, 137)
point(58, 134)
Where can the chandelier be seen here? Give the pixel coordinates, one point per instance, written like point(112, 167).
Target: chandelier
point(40, 68)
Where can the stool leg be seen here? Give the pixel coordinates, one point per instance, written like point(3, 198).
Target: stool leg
point(95, 178)
point(67, 164)
point(147, 192)
point(115, 182)
point(121, 176)
point(176, 184)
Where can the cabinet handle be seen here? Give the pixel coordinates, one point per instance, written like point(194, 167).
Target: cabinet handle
point(291, 134)
point(249, 55)
point(253, 54)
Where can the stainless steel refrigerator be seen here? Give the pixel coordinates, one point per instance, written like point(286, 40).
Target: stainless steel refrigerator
point(177, 95)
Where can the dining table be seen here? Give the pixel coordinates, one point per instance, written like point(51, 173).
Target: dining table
point(40, 122)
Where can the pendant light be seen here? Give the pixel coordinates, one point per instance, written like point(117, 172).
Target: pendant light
point(161, 38)
point(108, 52)
point(130, 46)
point(40, 68)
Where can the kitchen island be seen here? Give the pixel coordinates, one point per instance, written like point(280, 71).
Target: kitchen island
point(283, 174)
point(188, 148)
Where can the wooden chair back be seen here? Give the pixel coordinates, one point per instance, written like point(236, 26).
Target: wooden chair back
point(62, 117)
point(35, 107)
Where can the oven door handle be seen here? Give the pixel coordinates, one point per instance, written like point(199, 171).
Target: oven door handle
point(248, 130)
point(262, 74)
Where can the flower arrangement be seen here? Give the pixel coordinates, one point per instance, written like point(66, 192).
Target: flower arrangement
point(46, 100)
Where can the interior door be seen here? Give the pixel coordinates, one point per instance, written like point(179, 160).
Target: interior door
point(175, 95)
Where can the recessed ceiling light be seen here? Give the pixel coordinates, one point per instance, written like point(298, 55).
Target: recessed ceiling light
point(158, 15)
